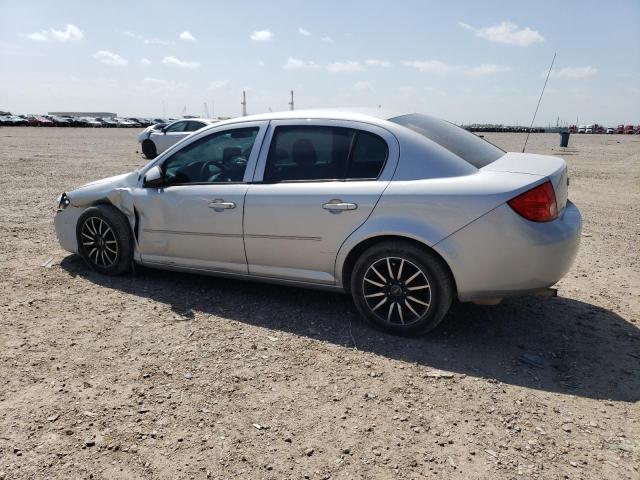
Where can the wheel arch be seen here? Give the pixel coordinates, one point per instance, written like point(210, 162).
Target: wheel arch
point(356, 251)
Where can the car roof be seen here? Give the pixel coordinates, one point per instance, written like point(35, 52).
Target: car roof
point(367, 115)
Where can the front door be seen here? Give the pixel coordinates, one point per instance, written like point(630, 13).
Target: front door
point(195, 219)
point(314, 185)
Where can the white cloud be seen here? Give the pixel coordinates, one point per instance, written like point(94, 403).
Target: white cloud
point(145, 62)
point(298, 64)
point(363, 86)
point(487, 69)
point(431, 66)
point(110, 58)
point(572, 72)
point(506, 32)
point(303, 32)
point(261, 35)
point(378, 63)
point(41, 36)
point(71, 33)
point(173, 61)
point(327, 39)
point(216, 84)
point(187, 37)
point(130, 34)
point(347, 66)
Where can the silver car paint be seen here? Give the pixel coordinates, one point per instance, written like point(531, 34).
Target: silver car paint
point(287, 231)
point(464, 213)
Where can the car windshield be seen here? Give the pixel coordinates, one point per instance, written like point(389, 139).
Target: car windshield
point(464, 144)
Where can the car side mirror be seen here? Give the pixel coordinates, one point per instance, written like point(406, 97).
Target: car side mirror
point(164, 130)
point(153, 177)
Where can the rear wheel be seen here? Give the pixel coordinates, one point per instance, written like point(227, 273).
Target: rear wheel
point(401, 288)
point(149, 149)
point(104, 239)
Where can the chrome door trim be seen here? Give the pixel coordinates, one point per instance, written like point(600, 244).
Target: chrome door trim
point(180, 232)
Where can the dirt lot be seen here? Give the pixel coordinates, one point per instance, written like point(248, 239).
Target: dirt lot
point(165, 375)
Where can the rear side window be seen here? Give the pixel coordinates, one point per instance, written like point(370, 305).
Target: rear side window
point(317, 153)
point(193, 126)
point(177, 127)
point(464, 144)
point(368, 156)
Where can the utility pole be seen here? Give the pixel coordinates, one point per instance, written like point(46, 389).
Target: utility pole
point(206, 110)
point(244, 103)
point(291, 102)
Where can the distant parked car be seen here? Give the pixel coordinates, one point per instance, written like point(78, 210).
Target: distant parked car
point(39, 121)
point(155, 141)
point(140, 122)
point(628, 130)
point(92, 122)
point(107, 122)
point(610, 131)
point(59, 121)
point(589, 129)
point(598, 129)
point(18, 121)
point(620, 129)
point(124, 123)
point(573, 129)
point(638, 130)
point(582, 129)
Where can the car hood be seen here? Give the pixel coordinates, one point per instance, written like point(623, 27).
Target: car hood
point(105, 189)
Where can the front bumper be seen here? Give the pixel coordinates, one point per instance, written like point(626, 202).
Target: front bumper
point(502, 254)
point(65, 223)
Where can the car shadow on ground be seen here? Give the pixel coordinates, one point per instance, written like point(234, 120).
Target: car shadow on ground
point(550, 344)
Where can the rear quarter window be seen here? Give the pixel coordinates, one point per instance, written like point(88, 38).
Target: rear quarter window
point(464, 144)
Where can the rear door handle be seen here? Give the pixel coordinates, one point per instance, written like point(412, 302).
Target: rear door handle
point(220, 204)
point(339, 205)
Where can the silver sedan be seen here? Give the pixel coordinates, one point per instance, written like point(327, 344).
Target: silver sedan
point(403, 211)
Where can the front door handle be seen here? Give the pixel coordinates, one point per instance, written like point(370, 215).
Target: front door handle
point(338, 206)
point(220, 204)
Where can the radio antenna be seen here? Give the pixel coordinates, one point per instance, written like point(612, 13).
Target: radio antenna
point(539, 100)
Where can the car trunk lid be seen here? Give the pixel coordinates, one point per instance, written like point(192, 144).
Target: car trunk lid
point(540, 166)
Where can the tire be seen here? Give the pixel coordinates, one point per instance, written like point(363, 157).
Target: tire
point(104, 240)
point(415, 295)
point(149, 149)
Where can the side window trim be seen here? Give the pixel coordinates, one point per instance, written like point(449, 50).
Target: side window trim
point(263, 126)
point(355, 133)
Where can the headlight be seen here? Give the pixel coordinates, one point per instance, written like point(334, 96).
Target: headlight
point(63, 202)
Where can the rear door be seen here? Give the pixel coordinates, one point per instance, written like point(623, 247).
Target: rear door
point(315, 184)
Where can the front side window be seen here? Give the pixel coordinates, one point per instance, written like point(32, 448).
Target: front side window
point(176, 127)
point(316, 153)
point(217, 158)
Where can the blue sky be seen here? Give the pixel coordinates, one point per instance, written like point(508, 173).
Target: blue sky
point(462, 61)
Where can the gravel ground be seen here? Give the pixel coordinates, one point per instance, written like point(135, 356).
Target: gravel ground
point(165, 375)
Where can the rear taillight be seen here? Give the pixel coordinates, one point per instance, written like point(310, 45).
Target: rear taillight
point(538, 204)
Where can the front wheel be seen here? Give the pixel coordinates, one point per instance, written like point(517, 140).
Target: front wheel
point(401, 288)
point(149, 149)
point(104, 239)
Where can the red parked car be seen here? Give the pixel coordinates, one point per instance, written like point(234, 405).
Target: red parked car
point(629, 130)
point(573, 129)
point(38, 121)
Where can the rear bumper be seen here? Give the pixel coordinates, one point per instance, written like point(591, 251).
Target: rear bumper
point(502, 254)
